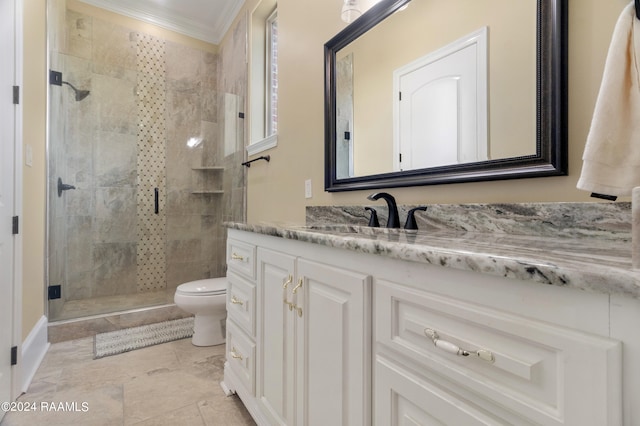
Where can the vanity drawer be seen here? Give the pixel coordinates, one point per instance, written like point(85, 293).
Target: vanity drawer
point(402, 398)
point(241, 258)
point(241, 356)
point(548, 374)
point(241, 296)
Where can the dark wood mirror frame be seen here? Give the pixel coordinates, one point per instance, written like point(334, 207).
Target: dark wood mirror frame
point(551, 121)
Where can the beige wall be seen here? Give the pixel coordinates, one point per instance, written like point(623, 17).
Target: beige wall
point(276, 189)
point(34, 113)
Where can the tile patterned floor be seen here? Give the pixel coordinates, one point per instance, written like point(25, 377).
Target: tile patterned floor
point(174, 383)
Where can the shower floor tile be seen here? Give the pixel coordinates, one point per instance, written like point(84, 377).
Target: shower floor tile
point(106, 304)
point(168, 384)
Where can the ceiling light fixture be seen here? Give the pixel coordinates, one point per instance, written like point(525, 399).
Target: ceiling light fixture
point(350, 11)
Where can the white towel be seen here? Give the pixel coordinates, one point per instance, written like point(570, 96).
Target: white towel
point(612, 153)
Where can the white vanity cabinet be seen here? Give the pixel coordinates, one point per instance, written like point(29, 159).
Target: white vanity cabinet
point(313, 338)
point(348, 338)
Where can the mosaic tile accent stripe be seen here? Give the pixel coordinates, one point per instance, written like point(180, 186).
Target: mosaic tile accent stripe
point(151, 104)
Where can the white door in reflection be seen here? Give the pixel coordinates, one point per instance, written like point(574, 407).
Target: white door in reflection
point(440, 112)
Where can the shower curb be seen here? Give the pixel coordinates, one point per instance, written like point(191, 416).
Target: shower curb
point(62, 331)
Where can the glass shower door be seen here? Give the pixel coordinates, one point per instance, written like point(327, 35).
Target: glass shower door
point(147, 152)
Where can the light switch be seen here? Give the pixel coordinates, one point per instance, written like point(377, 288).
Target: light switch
point(307, 188)
point(28, 155)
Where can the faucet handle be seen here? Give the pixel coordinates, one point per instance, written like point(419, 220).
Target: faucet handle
point(373, 219)
point(411, 224)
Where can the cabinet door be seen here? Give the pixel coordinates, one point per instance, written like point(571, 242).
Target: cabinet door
point(275, 336)
point(333, 346)
point(402, 398)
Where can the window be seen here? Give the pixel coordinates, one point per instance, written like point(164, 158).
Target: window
point(263, 81)
point(271, 96)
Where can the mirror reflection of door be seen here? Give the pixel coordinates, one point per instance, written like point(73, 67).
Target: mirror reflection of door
point(440, 111)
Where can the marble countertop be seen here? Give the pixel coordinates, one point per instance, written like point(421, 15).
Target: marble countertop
point(586, 263)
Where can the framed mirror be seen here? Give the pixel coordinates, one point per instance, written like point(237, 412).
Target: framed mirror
point(415, 94)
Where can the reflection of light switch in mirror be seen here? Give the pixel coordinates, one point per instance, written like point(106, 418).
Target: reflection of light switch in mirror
point(28, 155)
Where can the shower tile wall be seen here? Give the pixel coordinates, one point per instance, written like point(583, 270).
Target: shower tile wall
point(56, 218)
point(192, 117)
point(102, 240)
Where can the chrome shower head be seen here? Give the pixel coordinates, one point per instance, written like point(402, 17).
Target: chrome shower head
point(80, 94)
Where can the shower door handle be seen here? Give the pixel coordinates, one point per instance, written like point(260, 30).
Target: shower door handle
point(63, 187)
point(156, 202)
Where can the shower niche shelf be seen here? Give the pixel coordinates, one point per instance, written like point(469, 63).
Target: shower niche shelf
point(206, 180)
point(209, 168)
point(207, 192)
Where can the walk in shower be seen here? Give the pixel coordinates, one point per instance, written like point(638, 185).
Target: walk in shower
point(145, 146)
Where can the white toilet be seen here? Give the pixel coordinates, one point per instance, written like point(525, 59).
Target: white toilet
point(206, 299)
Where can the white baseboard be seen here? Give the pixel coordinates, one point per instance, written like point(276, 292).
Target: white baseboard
point(34, 348)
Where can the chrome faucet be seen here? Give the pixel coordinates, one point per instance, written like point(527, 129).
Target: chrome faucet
point(393, 220)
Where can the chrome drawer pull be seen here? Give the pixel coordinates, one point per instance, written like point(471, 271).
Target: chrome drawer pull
point(235, 256)
point(455, 349)
point(236, 301)
point(235, 355)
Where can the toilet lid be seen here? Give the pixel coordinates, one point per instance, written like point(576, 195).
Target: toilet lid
point(206, 287)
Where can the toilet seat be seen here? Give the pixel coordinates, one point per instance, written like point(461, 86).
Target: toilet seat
point(206, 287)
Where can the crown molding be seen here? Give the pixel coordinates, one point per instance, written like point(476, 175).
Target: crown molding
point(210, 32)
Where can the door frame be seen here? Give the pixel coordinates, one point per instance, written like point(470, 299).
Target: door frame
point(16, 299)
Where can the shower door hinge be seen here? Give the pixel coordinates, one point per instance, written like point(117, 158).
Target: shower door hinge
point(15, 225)
point(55, 77)
point(16, 95)
point(55, 292)
point(14, 355)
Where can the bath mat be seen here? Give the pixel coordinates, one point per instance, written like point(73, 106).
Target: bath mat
point(129, 339)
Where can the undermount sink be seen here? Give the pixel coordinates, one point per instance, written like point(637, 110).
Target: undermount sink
point(341, 228)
